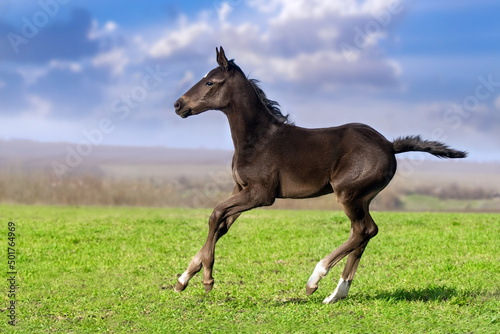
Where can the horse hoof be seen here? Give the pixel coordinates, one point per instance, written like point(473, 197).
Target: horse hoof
point(310, 290)
point(332, 300)
point(208, 287)
point(179, 287)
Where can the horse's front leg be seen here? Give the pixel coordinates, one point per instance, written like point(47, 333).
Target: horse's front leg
point(196, 263)
point(220, 221)
point(218, 226)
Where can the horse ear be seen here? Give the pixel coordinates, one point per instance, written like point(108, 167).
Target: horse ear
point(221, 59)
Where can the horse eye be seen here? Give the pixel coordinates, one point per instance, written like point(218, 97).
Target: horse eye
point(209, 83)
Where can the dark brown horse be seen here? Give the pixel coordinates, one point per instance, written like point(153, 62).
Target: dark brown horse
point(276, 159)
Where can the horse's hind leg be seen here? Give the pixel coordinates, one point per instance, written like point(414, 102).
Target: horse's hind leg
point(363, 228)
point(369, 231)
point(345, 281)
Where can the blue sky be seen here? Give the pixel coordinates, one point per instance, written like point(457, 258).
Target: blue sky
point(109, 71)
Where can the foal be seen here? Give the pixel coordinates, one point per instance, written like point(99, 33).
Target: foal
point(275, 159)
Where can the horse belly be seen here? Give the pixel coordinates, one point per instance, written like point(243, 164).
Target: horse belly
point(296, 187)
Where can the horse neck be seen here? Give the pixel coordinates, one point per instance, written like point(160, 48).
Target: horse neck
point(249, 119)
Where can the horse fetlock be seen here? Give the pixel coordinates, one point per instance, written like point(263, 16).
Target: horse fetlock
point(180, 287)
point(332, 299)
point(340, 292)
point(319, 272)
point(183, 281)
point(311, 289)
point(208, 285)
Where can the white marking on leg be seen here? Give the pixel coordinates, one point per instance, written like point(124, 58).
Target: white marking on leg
point(184, 279)
point(319, 272)
point(340, 292)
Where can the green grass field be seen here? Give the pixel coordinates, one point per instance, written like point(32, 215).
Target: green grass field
point(112, 270)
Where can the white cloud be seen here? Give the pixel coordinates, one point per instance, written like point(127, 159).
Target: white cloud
point(66, 65)
point(300, 43)
point(110, 26)
point(186, 79)
point(318, 9)
point(116, 60)
point(38, 106)
point(97, 32)
point(223, 11)
point(32, 75)
point(186, 35)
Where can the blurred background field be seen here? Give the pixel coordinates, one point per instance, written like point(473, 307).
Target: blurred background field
point(39, 173)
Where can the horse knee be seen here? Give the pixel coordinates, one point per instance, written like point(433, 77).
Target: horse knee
point(363, 231)
point(217, 214)
point(219, 226)
point(215, 219)
point(372, 230)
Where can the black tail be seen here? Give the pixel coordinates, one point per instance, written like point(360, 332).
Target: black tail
point(415, 143)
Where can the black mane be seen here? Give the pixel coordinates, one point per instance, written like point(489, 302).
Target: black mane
point(272, 106)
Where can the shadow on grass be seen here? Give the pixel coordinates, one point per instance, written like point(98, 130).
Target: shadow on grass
point(426, 294)
point(290, 301)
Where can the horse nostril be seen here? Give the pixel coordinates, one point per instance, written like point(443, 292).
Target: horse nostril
point(177, 105)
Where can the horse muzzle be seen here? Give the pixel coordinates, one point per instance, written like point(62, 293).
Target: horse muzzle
point(181, 110)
